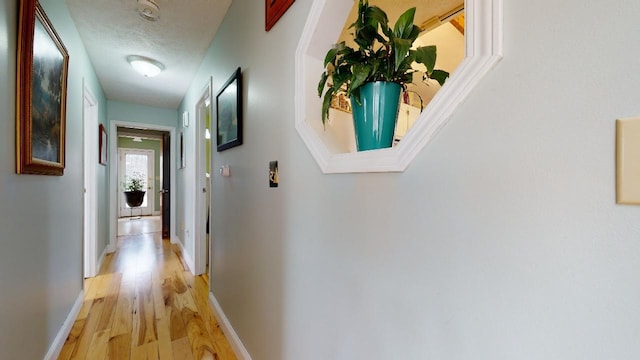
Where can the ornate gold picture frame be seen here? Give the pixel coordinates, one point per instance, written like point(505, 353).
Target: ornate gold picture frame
point(40, 95)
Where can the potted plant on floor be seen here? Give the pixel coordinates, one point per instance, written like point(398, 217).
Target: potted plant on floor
point(373, 74)
point(134, 193)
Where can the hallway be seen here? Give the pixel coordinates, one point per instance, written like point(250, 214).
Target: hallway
point(145, 304)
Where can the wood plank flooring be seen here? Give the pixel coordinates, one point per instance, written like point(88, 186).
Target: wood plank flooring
point(145, 304)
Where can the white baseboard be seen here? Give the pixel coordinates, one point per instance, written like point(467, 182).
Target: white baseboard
point(237, 346)
point(175, 239)
point(61, 337)
point(185, 255)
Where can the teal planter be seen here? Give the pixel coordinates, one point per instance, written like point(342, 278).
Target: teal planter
point(375, 120)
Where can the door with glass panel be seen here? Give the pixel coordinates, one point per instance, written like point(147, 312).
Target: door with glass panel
point(135, 163)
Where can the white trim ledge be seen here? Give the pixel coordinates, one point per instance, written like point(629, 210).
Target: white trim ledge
point(61, 337)
point(237, 345)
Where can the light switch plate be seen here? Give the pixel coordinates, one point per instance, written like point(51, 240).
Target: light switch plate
point(628, 161)
point(273, 174)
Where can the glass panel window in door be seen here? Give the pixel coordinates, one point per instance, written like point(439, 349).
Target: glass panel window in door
point(137, 165)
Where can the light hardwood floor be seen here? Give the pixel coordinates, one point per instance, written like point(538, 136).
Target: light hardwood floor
point(145, 304)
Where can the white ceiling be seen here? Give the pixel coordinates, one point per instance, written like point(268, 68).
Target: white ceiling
point(112, 29)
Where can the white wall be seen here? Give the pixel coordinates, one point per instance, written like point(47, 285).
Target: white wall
point(41, 216)
point(186, 180)
point(501, 241)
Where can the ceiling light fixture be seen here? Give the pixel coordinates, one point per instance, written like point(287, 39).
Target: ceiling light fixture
point(148, 10)
point(145, 66)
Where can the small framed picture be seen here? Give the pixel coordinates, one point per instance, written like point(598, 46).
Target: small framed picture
point(273, 11)
point(103, 145)
point(183, 162)
point(229, 113)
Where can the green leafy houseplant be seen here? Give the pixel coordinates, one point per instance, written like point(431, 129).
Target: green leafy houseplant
point(135, 182)
point(382, 54)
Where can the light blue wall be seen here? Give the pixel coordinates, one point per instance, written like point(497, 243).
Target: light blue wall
point(121, 111)
point(41, 216)
point(501, 241)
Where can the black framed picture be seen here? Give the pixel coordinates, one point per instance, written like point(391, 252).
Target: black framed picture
point(183, 162)
point(229, 113)
point(42, 90)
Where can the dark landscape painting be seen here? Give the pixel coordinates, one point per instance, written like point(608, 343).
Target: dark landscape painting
point(48, 72)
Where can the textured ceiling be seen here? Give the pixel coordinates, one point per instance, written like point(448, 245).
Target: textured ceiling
point(112, 29)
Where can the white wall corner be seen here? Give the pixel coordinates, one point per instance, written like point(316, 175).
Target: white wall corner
point(61, 337)
point(484, 49)
point(186, 256)
point(231, 335)
point(175, 239)
point(101, 258)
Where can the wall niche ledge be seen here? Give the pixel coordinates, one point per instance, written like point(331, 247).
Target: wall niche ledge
point(483, 49)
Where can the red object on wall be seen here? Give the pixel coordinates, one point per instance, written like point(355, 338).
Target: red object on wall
point(273, 11)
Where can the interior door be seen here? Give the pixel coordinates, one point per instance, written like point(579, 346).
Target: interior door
point(203, 176)
point(134, 162)
point(166, 185)
point(90, 139)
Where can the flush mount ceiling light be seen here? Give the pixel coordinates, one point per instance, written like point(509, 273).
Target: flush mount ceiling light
point(145, 66)
point(148, 10)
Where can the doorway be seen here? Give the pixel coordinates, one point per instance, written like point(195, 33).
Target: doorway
point(161, 196)
point(203, 202)
point(90, 191)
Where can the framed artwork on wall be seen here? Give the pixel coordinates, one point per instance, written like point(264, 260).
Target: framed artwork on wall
point(42, 68)
point(273, 11)
point(229, 113)
point(183, 162)
point(102, 158)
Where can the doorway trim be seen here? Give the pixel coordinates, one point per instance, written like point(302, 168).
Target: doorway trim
point(200, 201)
point(90, 182)
point(113, 177)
